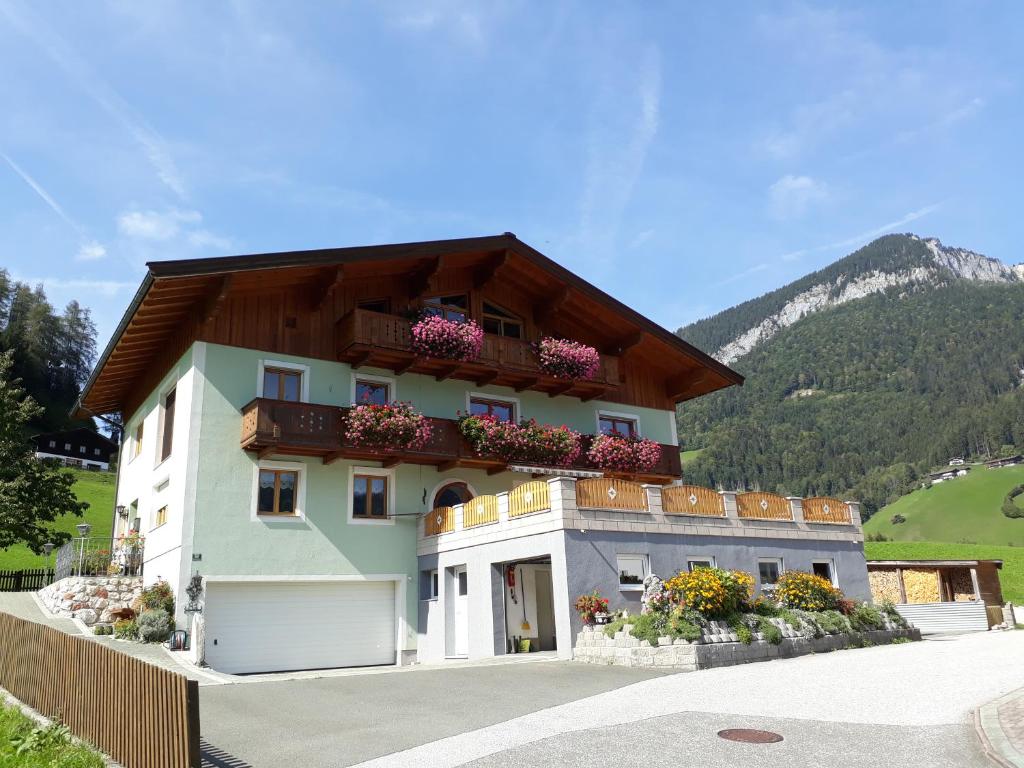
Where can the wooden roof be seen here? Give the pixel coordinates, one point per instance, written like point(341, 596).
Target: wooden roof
point(176, 299)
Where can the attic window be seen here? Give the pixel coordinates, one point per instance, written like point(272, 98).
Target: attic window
point(454, 307)
point(502, 323)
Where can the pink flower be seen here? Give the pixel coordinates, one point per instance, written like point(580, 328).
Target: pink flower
point(624, 454)
point(395, 425)
point(434, 336)
point(568, 359)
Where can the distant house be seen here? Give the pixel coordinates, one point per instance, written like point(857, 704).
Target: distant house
point(1009, 461)
point(76, 448)
point(949, 473)
point(956, 461)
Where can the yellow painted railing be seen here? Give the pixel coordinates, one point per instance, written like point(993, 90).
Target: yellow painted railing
point(480, 511)
point(692, 500)
point(823, 509)
point(758, 505)
point(440, 520)
point(611, 493)
point(529, 498)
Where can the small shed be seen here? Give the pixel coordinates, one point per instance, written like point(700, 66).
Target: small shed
point(940, 595)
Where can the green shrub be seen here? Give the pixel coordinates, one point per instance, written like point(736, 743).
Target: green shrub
point(649, 627)
point(832, 622)
point(807, 591)
point(126, 629)
point(769, 631)
point(103, 629)
point(889, 610)
point(1010, 508)
point(157, 596)
point(615, 626)
point(866, 617)
point(154, 626)
point(900, 640)
point(739, 627)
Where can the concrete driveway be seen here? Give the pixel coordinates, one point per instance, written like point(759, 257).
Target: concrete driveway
point(905, 705)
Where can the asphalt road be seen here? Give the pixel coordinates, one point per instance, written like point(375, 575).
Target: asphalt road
point(906, 705)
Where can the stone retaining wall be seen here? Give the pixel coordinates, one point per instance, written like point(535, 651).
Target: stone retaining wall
point(594, 647)
point(90, 598)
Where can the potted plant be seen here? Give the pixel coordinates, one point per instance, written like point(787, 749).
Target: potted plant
point(387, 426)
point(624, 454)
point(590, 606)
point(435, 336)
point(568, 359)
point(527, 441)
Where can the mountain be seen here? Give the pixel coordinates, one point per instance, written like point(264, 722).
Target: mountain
point(865, 374)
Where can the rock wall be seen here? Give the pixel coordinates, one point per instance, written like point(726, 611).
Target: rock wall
point(90, 598)
point(594, 647)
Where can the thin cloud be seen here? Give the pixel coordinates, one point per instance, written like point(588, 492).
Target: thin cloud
point(79, 71)
point(792, 196)
point(745, 273)
point(865, 236)
point(106, 288)
point(90, 251)
point(155, 225)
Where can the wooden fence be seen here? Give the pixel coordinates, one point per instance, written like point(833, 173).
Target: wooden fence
point(25, 581)
point(141, 715)
point(609, 493)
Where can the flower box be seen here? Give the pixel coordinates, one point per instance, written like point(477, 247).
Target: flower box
point(527, 442)
point(624, 454)
point(395, 425)
point(568, 359)
point(434, 336)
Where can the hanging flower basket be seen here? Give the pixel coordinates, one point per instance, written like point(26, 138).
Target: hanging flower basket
point(624, 454)
point(395, 425)
point(568, 359)
point(527, 442)
point(434, 336)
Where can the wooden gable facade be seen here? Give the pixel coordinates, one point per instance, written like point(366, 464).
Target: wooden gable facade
point(356, 304)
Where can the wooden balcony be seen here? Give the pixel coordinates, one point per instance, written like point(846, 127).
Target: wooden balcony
point(385, 341)
point(307, 429)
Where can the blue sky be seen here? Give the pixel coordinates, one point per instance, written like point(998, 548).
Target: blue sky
point(684, 157)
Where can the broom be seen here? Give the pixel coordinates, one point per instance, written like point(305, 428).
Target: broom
point(525, 625)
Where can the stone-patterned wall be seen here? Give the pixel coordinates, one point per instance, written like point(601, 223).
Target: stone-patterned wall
point(885, 586)
point(922, 585)
point(90, 598)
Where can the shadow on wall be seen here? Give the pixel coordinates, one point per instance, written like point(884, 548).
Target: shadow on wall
point(214, 757)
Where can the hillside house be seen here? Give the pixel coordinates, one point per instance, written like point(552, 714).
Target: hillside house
point(243, 383)
point(80, 447)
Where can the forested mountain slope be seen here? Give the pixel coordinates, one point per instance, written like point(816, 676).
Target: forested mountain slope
point(863, 396)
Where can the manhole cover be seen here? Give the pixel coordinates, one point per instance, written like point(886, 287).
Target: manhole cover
point(750, 736)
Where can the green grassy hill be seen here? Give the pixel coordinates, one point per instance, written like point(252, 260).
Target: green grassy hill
point(1011, 576)
point(964, 510)
point(95, 488)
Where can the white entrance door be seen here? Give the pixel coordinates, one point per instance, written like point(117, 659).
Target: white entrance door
point(461, 612)
point(279, 626)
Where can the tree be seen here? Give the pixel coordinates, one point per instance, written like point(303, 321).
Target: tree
point(32, 493)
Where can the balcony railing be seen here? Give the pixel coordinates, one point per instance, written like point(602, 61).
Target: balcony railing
point(99, 556)
point(385, 341)
point(308, 429)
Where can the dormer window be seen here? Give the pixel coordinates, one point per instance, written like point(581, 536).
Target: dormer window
point(454, 307)
point(502, 323)
point(383, 306)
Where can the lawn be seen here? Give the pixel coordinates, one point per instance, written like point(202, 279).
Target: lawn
point(1011, 576)
point(95, 488)
point(687, 456)
point(44, 747)
point(964, 510)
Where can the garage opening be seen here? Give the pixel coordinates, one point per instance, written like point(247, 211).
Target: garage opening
point(529, 606)
point(253, 627)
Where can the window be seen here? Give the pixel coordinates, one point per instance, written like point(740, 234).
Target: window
point(769, 571)
point(613, 424)
point(503, 410)
point(451, 494)
point(95, 451)
point(433, 585)
point(278, 490)
point(372, 392)
point(824, 568)
point(502, 323)
point(167, 437)
point(53, 443)
point(133, 513)
point(137, 441)
point(632, 571)
point(282, 384)
point(375, 305)
point(455, 307)
point(161, 516)
point(370, 497)
point(692, 565)
point(463, 579)
point(81, 449)
point(67, 446)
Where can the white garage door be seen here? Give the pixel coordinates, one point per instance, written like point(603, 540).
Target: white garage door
point(278, 626)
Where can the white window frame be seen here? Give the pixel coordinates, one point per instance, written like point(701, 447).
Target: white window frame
point(449, 481)
point(297, 367)
point(778, 561)
point(710, 559)
point(634, 417)
point(831, 563)
point(95, 451)
point(390, 381)
point(67, 446)
point(81, 449)
point(300, 500)
point(517, 409)
point(433, 584)
point(53, 443)
point(390, 474)
point(134, 444)
point(645, 562)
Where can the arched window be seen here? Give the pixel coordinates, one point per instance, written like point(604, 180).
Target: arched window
point(451, 494)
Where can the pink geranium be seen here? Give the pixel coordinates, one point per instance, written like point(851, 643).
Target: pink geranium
point(435, 336)
point(568, 359)
point(395, 425)
point(527, 441)
point(624, 454)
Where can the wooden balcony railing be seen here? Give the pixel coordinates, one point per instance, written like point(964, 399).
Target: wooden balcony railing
point(308, 429)
point(821, 509)
point(385, 341)
point(757, 505)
